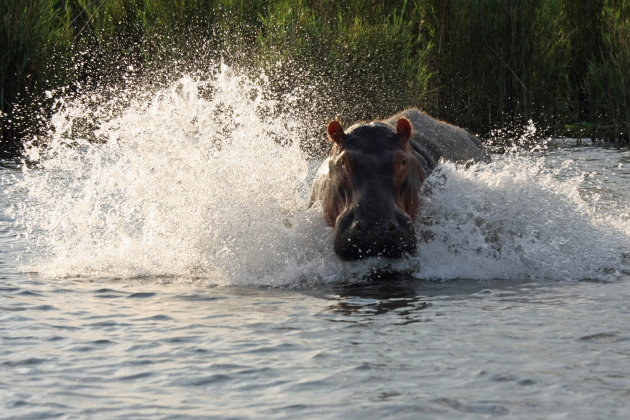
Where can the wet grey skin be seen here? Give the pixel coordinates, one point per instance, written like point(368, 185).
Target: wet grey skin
point(433, 140)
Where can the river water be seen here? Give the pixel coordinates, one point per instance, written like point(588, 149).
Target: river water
point(171, 269)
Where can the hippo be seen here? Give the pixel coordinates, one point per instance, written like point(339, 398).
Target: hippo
point(369, 186)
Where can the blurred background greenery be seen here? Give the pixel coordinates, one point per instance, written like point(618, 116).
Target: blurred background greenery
point(485, 65)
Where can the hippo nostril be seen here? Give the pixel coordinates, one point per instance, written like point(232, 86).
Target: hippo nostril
point(357, 227)
point(393, 226)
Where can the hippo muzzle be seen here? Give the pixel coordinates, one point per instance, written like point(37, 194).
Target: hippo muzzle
point(362, 234)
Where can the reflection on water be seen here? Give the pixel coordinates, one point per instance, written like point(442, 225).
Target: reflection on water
point(401, 296)
point(380, 293)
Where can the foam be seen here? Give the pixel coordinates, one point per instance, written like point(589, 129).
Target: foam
point(517, 218)
point(202, 181)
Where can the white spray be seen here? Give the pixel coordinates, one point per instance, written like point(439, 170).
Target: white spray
point(202, 181)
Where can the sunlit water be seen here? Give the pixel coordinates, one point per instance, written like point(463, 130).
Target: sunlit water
point(172, 269)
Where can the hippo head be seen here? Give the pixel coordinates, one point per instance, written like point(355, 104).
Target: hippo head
point(372, 194)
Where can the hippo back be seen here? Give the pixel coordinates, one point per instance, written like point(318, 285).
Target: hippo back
point(433, 140)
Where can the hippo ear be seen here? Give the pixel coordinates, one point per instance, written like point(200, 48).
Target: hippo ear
point(403, 129)
point(335, 132)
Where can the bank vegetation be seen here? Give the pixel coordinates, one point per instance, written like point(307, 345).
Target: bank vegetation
point(486, 65)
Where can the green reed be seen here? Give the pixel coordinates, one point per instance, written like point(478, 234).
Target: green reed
point(32, 35)
point(483, 64)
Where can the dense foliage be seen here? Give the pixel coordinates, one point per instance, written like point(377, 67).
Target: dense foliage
point(482, 64)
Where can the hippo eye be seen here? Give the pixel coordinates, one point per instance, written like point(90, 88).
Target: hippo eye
point(342, 162)
point(403, 162)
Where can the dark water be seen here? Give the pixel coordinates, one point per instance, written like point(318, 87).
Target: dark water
point(155, 275)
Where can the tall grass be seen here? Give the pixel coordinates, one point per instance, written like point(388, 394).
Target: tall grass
point(358, 60)
point(607, 78)
point(483, 64)
point(33, 37)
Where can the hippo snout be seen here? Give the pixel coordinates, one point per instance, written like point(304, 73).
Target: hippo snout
point(359, 237)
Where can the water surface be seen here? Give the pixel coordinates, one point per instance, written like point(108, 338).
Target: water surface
point(173, 270)
point(395, 347)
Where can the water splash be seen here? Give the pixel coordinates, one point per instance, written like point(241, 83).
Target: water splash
point(190, 182)
point(202, 180)
point(516, 218)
